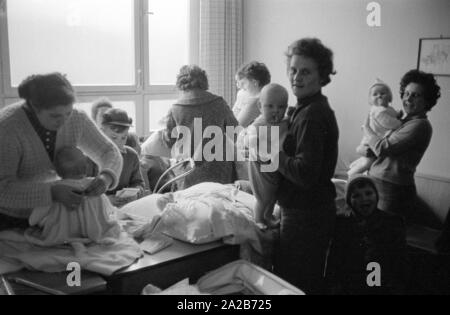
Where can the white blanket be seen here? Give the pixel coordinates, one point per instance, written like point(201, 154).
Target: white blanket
point(200, 214)
point(103, 259)
point(58, 236)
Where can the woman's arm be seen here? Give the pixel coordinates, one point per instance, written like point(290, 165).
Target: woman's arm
point(101, 150)
point(18, 193)
point(401, 140)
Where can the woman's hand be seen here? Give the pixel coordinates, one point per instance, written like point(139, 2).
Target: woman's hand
point(271, 221)
point(99, 185)
point(67, 195)
point(120, 202)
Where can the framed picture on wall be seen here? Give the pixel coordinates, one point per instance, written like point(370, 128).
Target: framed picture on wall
point(434, 56)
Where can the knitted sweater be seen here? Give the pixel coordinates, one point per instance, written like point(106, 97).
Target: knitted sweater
point(399, 153)
point(213, 112)
point(26, 171)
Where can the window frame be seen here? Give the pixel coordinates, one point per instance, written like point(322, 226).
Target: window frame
point(137, 122)
point(11, 91)
point(194, 40)
point(141, 92)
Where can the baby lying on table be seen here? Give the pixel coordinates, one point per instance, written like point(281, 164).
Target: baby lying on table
point(56, 225)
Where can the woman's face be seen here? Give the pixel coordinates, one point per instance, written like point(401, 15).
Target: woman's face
point(364, 200)
point(304, 76)
point(54, 118)
point(249, 85)
point(238, 82)
point(414, 102)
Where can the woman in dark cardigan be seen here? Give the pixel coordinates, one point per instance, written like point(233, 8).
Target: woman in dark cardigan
point(197, 109)
point(306, 194)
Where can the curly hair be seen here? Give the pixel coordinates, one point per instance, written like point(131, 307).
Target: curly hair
point(426, 81)
point(192, 77)
point(47, 91)
point(314, 49)
point(255, 70)
point(100, 103)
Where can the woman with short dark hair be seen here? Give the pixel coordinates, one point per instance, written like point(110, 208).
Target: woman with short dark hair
point(30, 134)
point(306, 194)
point(398, 154)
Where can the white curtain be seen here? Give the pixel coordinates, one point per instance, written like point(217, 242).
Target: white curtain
point(221, 44)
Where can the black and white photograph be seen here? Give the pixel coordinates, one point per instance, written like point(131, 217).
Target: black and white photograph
point(214, 150)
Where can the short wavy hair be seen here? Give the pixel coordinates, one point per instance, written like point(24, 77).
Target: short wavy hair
point(314, 49)
point(432, 91)
point(255, 70)
point(47, 91)
point(192, 77)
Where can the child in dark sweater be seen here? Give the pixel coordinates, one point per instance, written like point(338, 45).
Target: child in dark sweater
point(369, 235)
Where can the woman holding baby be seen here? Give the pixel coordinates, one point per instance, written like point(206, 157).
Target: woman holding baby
point(307, 163)
point(398, 154)
point(30, 134)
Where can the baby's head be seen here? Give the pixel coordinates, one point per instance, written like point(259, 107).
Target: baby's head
point(70, 163)
point(115, 125)
point(273, 102)
point(380, 94)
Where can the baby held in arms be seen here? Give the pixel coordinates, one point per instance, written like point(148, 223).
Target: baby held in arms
point(382, 118)
point(265, 137)
point(56, 225)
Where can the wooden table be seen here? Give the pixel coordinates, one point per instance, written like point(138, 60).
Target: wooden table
point(163, 269)
point(177, 262)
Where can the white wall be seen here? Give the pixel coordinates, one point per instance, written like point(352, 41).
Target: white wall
point(362, 53)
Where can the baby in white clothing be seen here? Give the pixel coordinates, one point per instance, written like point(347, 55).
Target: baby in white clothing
point(90, 222)
point(382, 118)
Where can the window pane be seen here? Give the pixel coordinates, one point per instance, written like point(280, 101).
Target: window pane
point(158, 110)
point(92, 41)
point(168, 29)
point(127, 106)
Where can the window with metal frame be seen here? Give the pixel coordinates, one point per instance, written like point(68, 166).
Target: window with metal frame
point(128, 51)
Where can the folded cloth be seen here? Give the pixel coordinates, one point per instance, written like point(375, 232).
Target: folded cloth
point(9, 266)
point(180, 288)
point(155, 243)
point(99, 258)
